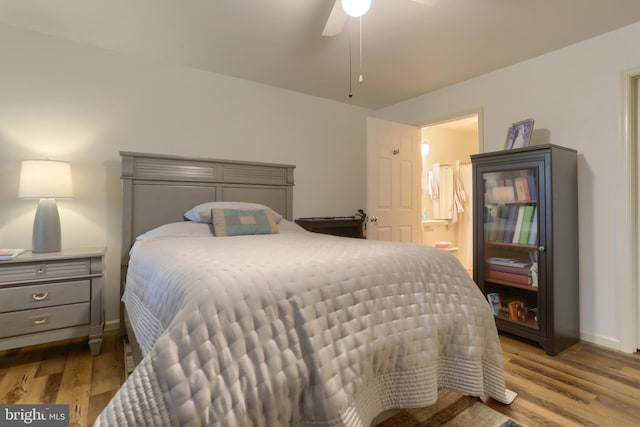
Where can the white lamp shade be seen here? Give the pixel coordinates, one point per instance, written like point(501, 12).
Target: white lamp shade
point(44, 179)
point(356, 8)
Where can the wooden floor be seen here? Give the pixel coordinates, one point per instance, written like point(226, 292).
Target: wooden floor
point(66, 373)
point(586, 385)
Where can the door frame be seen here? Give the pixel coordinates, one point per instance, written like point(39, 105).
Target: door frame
point(478, 113)
point(629, 288)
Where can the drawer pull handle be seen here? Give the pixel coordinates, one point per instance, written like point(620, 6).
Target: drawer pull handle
point(40, 320)
point(40, 296)
point(41, 269)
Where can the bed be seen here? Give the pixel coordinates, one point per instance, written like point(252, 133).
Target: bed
point(276, 325)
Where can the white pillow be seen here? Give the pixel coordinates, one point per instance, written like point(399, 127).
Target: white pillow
point(184, 228)
point(202, 212)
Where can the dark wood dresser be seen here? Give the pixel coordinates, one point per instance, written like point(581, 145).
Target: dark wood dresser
point(345, 226)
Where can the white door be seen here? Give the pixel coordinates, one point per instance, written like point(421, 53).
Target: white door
point(394, 166)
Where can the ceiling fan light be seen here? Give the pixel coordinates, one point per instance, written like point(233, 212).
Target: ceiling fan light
point(356, 8)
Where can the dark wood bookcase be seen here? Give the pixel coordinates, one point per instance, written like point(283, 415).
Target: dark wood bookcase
point(525, 251)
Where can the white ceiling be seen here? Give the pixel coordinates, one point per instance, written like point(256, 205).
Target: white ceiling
point(408, 48)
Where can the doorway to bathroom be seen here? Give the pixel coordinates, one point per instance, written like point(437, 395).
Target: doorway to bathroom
point(446, 200)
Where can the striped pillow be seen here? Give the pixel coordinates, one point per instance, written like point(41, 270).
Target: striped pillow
point(236, 222)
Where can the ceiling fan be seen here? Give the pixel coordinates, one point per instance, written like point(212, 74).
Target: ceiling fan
point(338, 16)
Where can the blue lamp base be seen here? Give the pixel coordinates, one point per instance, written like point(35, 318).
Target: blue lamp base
point(46, 227)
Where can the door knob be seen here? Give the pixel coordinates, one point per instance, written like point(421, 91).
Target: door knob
point(373, 219)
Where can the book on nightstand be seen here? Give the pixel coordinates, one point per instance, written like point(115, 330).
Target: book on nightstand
point(8, 254)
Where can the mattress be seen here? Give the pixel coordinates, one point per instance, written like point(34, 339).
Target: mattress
point(298, 328)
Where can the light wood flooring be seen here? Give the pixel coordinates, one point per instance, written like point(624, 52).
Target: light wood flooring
point(586, 385)
point(66, 373)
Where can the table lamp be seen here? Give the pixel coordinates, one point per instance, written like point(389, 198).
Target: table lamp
point(46, 180)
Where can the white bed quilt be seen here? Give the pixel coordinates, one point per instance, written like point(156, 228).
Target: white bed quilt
point(299, 329)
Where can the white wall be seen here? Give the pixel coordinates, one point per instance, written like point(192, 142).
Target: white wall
point(575, 96)
point(72, 102)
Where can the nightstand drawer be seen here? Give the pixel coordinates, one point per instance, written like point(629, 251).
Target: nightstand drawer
point(45, 295)
point(22, 272)
point(44, 319)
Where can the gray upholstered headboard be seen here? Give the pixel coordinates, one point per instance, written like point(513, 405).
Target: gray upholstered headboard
point(158, 189)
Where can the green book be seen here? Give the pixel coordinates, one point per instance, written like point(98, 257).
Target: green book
point(503, 211)
point(526, 224)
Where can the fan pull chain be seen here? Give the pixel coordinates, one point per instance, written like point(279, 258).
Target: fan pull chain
point(360, 78)
point(350, 73)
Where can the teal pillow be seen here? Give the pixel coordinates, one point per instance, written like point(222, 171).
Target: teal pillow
point(236, 222)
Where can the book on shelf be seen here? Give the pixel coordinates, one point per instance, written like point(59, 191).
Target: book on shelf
point(510, 226)
point(518, 227)
point(490, 219)
point(532, 184)
point(502, 189)
point(520, 279)
point(510, 191)
point(511, 262)
point(491, 189)
point(501, 194)
point(521, 193)
point(510, 268)
point(526, 224)
point(533, 233)
point(502, 222)
point(8, 254)
point(525, 183)
point(506, 188)
point(493, 228)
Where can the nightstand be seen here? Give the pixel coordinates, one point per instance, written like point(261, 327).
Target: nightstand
point(345, 226)
point(52, 296)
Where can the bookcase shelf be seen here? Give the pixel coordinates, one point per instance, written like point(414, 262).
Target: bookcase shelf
point(513, 245)
point(513, 285)
point(513, 202)
point(525, 254)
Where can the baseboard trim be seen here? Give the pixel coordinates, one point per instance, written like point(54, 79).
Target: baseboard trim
point(111, 325)
point(604, 341)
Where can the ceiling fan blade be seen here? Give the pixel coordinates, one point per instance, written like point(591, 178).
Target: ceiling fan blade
point(336, 20)
point(426, 2)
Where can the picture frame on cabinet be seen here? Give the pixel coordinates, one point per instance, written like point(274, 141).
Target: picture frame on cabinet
point(519, 134)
